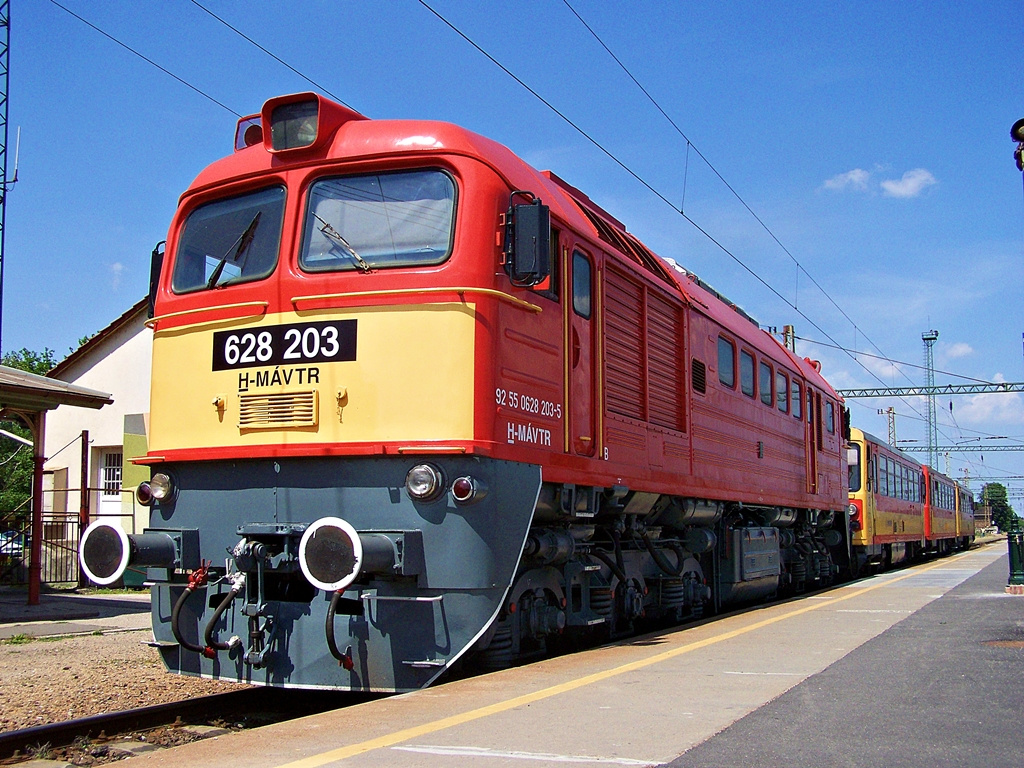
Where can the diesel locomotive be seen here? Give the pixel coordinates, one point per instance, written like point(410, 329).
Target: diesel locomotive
point(417, 403)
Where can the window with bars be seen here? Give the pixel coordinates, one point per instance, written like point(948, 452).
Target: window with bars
point(111, 478)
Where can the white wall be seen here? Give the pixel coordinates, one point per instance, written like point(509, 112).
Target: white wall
point(119, 364)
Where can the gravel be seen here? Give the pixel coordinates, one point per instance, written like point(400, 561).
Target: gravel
point(52, 680)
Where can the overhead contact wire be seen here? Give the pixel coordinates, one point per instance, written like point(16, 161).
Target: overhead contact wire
point(148, 60)
point(651, 189)
point(689, 145)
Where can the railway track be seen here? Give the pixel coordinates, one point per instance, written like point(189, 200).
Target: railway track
point(248, 708)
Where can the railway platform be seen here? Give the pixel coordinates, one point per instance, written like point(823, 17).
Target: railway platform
point(70, 613)
point(917, 667)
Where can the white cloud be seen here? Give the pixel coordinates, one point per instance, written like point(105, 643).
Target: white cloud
point(855, 179)
point(116, 269)
point(958, 350)
point(1002, 408)
point(911, 185)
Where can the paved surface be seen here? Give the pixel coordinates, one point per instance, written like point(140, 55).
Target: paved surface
point(945, 687)
point(807, 682)
point(69, 613)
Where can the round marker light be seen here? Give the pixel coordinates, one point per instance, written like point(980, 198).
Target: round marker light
point(424, 482)
point(466, 490)
point(144, 494)
point(160, 486)
point(852, 509)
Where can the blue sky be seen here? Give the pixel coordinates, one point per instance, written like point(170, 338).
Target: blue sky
point(871, 138)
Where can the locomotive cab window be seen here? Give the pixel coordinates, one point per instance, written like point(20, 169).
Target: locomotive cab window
point(726, 362)
point(747, 373)
point(830, 417)
point(229, 241)
point(797, 400)
point(581, 282)
point(378, 221)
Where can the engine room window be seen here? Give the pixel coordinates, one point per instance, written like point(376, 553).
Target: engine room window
point(782, 392)
point(581, 284)
point(747, 373)
point(797, 400)
point(830, 417)
point(765, 381)
point(229, 241)
point(378, 221)
point(726, 363)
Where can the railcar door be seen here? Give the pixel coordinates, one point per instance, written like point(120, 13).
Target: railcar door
point(581, 323)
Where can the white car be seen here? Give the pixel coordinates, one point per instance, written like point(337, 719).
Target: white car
point(12, 544)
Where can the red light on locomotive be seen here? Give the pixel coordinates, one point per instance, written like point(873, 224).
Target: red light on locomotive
point(856, 515)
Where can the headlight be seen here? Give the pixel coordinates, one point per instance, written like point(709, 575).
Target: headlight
point(157, 488)
point(852, 509)
point(424, 482)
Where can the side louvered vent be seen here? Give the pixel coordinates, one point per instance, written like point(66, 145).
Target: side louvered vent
point(624, 355)
point(699, 374)
point(665, 362)
point(277, 410)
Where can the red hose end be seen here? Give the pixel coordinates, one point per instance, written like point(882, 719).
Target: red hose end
point(210, 653)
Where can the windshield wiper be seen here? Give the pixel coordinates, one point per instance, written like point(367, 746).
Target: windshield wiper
point(244, 241)
point(332, 233)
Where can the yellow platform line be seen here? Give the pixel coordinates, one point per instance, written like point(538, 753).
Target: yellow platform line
point(397, 737)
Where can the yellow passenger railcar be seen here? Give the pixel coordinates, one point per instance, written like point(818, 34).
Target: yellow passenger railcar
point(886, 503)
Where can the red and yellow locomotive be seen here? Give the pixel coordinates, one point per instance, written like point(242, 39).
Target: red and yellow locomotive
point(414, 400)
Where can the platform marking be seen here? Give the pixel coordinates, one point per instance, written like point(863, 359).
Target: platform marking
point(417, 731)
point(547, 758)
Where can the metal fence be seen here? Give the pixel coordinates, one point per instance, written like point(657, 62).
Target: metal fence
point(61, 534)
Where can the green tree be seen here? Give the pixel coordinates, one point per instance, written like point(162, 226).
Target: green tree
point(16, 457)
point(994, 494)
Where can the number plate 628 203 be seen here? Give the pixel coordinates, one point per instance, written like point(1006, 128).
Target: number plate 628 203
point(295, 344)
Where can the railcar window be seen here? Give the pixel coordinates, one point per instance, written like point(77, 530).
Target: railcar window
point(797, 400)
point(899, 482)
point(746, 373)
point(782, 391)
point(726, 363)
point(229, 241)
point(765, 381)
point(581, 284)
point(378, 221)
point(830, 417)
point(854, 468)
